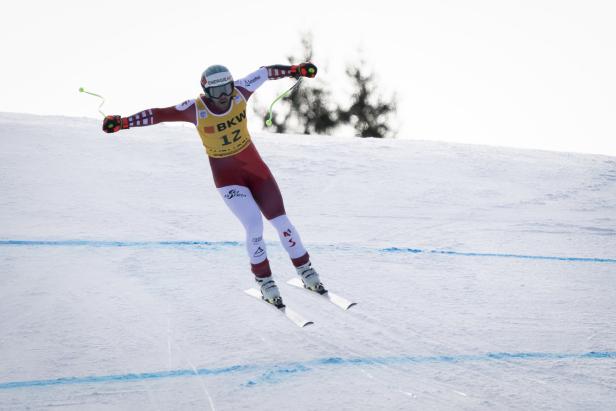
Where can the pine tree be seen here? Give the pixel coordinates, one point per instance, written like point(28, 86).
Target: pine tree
point(369, 114)
point(308, 109)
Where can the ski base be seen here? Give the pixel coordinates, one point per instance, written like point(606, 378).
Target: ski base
point(292, 315)
point(332, 297)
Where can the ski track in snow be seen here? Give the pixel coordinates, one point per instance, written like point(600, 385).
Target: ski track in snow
point(504, 301)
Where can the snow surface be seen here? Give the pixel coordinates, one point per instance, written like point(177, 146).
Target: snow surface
point(485, 277)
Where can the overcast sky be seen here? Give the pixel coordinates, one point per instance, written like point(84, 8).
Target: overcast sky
point(523, 73)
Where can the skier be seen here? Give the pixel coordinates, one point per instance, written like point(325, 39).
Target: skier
point(244, 181)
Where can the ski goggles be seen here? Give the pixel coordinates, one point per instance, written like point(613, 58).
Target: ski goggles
point(218, 91)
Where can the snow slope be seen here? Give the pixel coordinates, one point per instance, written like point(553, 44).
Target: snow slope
point(486, 277)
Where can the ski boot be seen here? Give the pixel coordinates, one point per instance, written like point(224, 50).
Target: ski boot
point(310, 278)
point(269, 291)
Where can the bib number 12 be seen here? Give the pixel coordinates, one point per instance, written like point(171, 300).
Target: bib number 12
point(236, 137)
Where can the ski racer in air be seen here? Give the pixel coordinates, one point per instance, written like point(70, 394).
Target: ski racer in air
point(242, 178)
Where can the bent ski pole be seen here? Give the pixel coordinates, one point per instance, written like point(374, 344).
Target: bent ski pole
point(82, 90)
point(268, 122)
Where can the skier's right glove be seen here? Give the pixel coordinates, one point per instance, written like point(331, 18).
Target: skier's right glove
point(111, 124)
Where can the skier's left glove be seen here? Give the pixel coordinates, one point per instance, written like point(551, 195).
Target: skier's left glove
point(304, 70)
point(111, 124)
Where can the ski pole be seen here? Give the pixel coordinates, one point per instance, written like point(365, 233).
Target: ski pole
point(268, 122)
point(82, 90)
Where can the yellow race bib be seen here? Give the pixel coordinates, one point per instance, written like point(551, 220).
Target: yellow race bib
point(224, 134)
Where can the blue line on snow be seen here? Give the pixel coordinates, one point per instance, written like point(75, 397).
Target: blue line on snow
point(95, 243)
point(274, 373)
point(528, 257)
point(218, 244)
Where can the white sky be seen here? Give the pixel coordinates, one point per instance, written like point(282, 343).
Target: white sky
point(523, 73)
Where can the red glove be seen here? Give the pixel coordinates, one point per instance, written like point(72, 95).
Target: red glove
point(304, 70)
point(111, 124)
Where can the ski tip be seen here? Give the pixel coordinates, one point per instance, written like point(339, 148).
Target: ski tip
point(307, 323)
point(350, 305)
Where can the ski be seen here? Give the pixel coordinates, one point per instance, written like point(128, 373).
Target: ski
point(292, 315)
point(332, 297)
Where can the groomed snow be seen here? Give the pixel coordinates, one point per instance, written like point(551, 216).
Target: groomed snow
point(485, 277)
